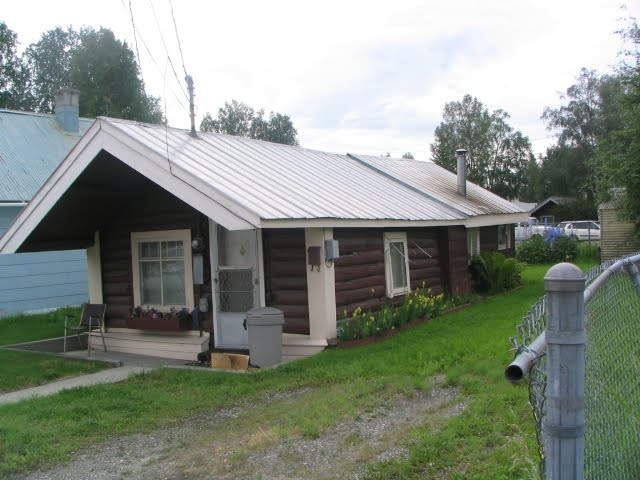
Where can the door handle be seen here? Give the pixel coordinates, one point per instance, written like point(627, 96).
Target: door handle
point(244, 323)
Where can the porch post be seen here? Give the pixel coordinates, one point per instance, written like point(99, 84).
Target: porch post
point(321, 287)
point(94, 271)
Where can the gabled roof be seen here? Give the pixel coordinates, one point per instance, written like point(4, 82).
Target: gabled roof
point(553, 199)
point(32, 145)
point(243, 183)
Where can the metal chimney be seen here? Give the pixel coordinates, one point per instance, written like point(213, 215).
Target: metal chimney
point(461, 154)
point(67, 109)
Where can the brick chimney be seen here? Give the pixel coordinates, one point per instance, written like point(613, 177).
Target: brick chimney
point(67, 109)
point(461, 154)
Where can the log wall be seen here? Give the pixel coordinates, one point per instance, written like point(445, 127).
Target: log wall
point(154, 210)
point(489, 240)
point(360, 270)
point(285, 276)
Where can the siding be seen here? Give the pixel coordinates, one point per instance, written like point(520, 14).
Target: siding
point(155, 210)
point(615, 235)
point(37, 281)
point(489, 240)
point(360, 270)
point(285, 277)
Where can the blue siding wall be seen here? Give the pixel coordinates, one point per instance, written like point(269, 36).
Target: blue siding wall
point(36, 281)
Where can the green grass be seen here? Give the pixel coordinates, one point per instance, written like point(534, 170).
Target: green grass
point(27, 328)
point(493, 438)
point(26, 369)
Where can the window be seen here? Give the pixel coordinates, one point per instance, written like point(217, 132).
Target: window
point(503, 237)
point(396, 263)
point(162, 268)
point(473, 242)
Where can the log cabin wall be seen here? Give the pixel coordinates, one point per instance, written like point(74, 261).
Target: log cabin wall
point(285, 276)
point(360, 269)
point(155, 209)
point(489, 240)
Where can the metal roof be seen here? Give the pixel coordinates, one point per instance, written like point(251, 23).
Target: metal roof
point(441, 185)
point(283, 182)
point(32, 145)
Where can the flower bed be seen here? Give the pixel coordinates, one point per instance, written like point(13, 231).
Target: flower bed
point(417, 304)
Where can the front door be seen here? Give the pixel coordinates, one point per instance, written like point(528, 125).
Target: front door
point(235, 284)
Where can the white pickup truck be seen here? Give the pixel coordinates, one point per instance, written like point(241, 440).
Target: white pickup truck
point(525, 230)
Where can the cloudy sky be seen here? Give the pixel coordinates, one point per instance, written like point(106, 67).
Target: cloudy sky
point(355, 76)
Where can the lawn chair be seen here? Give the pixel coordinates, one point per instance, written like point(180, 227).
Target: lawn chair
point(91, 320)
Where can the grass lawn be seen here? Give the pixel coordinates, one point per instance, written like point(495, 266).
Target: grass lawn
point(26, 369)
point(492, 438)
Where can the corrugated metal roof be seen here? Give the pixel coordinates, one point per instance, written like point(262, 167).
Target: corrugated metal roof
point(32, 145)
point(283, 182)
point(441, 184)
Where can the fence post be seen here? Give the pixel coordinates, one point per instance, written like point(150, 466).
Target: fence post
point(634, 273)
point(566, 337)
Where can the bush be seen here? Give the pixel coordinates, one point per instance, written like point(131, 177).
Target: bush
point(493, 273)
point(588, 252)
point(564, 249)
point(534, 250)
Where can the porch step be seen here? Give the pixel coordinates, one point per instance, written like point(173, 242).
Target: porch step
point(300, 346)
point(176, 346)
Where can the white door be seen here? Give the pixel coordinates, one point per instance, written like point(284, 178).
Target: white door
point(235, 283)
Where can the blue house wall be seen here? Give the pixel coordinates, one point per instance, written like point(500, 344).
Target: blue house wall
point(41, 280)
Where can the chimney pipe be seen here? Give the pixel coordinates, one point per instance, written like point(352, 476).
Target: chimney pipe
point(67, 109)
point(461, 153)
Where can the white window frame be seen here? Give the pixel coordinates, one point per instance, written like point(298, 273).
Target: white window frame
point(473, 236)
point(505, 245)
point(163, 236)
point(389, 238)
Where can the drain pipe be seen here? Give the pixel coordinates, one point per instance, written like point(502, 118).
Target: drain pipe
point(461, 154)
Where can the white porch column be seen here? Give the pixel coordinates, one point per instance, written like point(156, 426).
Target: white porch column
point(94, 270)
point(321, 287)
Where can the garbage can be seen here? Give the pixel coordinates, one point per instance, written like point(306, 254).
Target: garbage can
point(264, 325)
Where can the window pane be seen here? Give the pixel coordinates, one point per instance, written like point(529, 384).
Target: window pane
point(172, 249)
point(150, 279)
point(502, 235)
point(148, 250)
point(236, 290)
point(173, 282)
point(398, 266)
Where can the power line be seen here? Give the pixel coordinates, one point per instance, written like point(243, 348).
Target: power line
point(135, 37)
point(167, 50)
point(175, 27)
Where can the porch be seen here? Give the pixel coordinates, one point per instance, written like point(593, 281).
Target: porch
point(185, 346)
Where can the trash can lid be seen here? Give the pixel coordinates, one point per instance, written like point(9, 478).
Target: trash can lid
point(264, 312)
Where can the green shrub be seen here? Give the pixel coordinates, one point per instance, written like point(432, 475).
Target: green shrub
point(564, 249)
point(534, 250)
point(588, 252)
point(493, 273)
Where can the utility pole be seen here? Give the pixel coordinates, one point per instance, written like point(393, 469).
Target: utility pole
point(192, 114)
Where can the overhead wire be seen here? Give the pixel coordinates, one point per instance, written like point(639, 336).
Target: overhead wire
point(175, 27)
point(137, 34)
point(167, 50)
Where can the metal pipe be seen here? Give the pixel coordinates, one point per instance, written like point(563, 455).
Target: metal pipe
point(461, 155)
point(521, 365)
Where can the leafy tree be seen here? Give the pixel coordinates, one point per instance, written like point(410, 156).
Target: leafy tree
point(103, 68)
point(237, 118)
point(49, 61)
point(408, 156)
point(14, 77)
point(497, 156)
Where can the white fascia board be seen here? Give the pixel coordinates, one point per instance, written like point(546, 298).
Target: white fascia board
point(355, 223)
point(497, 219)
point(13, 204)
point(55, 186)
point(156, 168)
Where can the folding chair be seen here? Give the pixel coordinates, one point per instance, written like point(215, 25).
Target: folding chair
point(91, 320)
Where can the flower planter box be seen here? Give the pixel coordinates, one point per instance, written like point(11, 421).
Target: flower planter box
point(160, 324)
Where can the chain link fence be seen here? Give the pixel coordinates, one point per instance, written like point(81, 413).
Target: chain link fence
point(612, 373)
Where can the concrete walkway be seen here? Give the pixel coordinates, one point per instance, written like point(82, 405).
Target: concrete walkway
point(111, 375)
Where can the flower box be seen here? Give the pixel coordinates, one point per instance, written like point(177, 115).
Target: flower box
point(162, 324)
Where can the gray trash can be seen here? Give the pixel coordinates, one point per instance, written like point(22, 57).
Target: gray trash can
point(264, 325)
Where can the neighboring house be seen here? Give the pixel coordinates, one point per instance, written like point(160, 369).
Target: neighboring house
point(616, 236)
point(545, 210)
point(223, 224)
point(32, 146)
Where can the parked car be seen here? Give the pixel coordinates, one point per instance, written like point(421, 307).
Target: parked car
point(581, 229)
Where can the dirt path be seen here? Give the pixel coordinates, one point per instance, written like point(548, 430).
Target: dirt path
point(234, 443)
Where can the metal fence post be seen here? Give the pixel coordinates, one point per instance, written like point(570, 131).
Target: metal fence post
point(634, 273)
point(566, 337)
